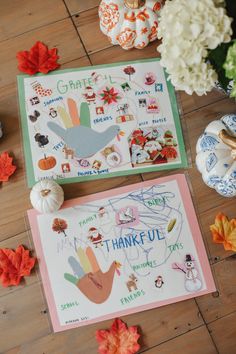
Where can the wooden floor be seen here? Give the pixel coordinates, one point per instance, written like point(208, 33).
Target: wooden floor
point(205, 325)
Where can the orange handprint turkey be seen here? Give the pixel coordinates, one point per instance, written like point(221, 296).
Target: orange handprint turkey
point(89, 278)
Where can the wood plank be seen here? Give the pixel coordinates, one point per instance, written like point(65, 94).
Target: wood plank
point(75, 6)
point(24, 239)
point(22, 317)
point(116, 54)
point(223, 332)
point(193, 102)
point(61, 34)
point(193, 342)
point(25, 15)
point(87, 24)
point(214, 306)
point(170, 321)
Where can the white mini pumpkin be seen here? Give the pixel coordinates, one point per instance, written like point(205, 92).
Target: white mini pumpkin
point(216, 155)
point(130, 23)
point(47, 196)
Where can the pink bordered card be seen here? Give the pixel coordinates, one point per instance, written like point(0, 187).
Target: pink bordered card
point(121, 251)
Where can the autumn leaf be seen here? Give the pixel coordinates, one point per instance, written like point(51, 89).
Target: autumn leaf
point(119, 339)
point(59, 225)
point(224, 231)
point(6, 167)
point(14, 265)
point(38, 59)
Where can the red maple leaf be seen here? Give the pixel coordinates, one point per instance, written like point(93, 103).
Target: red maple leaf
point(6, 167)
point(38, 59)
point(119, 339)
point(14, 265)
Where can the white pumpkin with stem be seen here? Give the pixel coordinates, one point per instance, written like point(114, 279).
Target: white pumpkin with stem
point(216, 155)
point(130, 23)
point(47, 196)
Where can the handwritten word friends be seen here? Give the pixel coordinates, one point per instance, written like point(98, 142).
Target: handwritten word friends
point(102, 119)
point(127, 299)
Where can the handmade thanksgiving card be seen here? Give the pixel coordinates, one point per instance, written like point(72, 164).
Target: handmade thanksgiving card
point(121, 251)
point(100, 121)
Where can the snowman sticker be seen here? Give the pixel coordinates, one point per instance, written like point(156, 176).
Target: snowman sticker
point(192, 282)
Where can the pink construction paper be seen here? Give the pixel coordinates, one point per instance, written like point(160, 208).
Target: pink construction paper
point(196, 233)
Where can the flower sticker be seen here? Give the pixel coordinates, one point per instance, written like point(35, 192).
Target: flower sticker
point(118, 339)
point(109, 95)
point(224, 231)
point(38, 59)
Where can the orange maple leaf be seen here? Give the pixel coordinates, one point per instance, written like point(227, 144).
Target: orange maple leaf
point(224, 231)
point(14, 265)
point(6, 167)
point(119, 339)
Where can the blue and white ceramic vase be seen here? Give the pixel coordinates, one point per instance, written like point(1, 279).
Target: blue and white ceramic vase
point(216, 155)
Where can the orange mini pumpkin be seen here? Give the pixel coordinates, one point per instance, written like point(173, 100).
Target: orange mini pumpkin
point(47, 163)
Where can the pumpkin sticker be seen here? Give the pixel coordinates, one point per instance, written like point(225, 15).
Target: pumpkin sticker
point(47, 163)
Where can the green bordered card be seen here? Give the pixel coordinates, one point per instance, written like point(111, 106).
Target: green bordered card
point(100, 121)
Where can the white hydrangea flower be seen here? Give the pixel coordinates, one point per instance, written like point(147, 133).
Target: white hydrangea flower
point(189, 28)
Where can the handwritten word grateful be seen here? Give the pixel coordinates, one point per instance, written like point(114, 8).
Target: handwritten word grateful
point(132, 240)
point(63, 87)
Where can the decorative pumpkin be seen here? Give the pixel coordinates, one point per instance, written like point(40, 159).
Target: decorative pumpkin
point(216, 155)
point(130, 23)
point(46, 196)
point(47, 162)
